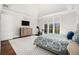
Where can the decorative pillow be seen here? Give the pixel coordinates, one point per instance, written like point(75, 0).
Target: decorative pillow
point(76, 37)
point(70, 35)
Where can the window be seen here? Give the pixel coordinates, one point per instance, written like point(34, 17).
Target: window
point(57, 28)
point(45, 28)
point(50, 28)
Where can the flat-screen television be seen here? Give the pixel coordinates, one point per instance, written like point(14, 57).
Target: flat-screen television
point(25, 23)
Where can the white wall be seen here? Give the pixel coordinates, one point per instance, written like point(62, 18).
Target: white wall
point(6, 27)
point(9, 24)
point(17, 22)
point(18, 17)
point(69, 17)
point(0, 7)
point(0, 47)
point(77, 14)
point(0, 19)
point(0, 26)
point(67, 21)
point(0, 29)
point(32, 13)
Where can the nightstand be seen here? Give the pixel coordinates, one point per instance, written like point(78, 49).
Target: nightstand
point(73, 48)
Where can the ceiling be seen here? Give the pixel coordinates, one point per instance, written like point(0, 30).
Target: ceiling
point(51, 8)
point(39, 9)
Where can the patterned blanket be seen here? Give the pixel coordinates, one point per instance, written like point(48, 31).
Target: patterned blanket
point(53, 42)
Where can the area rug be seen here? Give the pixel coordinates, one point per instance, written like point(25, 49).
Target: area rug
point(24, 46)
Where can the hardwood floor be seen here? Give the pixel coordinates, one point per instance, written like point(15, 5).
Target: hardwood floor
point(6, 48)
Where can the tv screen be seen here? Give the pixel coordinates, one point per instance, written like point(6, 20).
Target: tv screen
point(25, 23)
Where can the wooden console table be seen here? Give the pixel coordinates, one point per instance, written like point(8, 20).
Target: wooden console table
point(25, 32)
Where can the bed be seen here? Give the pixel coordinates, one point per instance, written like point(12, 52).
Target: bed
point(53, 42)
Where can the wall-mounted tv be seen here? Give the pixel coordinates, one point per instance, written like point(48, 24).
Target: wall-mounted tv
point(25, 23)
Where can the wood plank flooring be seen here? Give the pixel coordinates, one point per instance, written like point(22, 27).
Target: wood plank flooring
point(6, 48)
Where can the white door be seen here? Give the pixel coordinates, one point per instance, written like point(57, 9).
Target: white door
point(6, 27)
